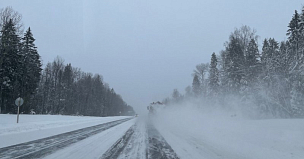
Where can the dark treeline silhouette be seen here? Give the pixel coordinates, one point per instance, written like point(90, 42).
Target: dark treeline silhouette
point(57, 89)
point(269, 81)
point(64, 89)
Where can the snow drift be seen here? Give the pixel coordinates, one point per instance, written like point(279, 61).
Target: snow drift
point(195, 132)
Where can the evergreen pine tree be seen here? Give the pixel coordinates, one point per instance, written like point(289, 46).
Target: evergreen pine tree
point(31, 69)
point(294, 33)
point(235, 68)
point(10, 59)
point(252, 62)
point(196, 86)
point(252, 67)
point(296, 38)
point(301, 29)
point(213, 76)
point(265, 52)
point(67, 82)
point(176, 96)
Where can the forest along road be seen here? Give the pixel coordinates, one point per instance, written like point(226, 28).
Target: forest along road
point(42, 147)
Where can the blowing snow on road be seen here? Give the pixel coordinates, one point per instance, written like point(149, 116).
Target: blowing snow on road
point(155, 137)
point(152, 79)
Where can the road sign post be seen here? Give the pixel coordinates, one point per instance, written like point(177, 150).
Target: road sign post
point(19, 101)
point(18, 116)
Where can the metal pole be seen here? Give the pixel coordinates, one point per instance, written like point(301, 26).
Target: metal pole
point(18, 115)
point(18, 111)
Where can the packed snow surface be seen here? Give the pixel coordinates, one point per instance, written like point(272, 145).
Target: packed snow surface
point(190, 132)
point(94, 146)
point(136, 148)
point(214, 135)
point(32, 127)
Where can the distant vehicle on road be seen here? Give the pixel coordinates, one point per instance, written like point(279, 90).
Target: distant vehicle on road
point(155, 107)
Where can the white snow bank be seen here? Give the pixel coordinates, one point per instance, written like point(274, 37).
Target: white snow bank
point(32, 127)
point(194, 134)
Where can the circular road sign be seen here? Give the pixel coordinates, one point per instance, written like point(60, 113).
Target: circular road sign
point(19, 101)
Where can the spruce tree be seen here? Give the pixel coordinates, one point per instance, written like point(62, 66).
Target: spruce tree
point(196, 86)
point(264, 51)
point(294, 32)
point(235, 68)
point(252, 50)
point(10, 60)
point(302, 20)
point(213, 76)
point(176, 96)
point(31, 69)
point(67, 82)
point(252, 71)
point(98, 95)
point(252, 62)
point(301, 29)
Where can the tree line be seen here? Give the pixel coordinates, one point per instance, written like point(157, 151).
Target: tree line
point(269, 81)
point(59, 88)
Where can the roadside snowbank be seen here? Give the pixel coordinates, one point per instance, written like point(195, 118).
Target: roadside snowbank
point(32, 127)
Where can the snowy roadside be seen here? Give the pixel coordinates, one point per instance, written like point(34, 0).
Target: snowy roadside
point(195, 135)
point(33, 127)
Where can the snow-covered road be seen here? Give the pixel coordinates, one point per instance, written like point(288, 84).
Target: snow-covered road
point(167, 137)
point(95, 146)
point(136, 147)
point(146, 142)
point(42, 147)
point(34, 127)
point(130, 138)
point(38, 135)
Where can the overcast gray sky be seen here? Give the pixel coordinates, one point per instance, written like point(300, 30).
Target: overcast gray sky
point(146, 48)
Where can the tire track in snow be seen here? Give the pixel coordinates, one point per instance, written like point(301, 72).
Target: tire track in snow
point(115, 150)
point(42, 147)
point(137, 145)
point(134, 147)
point(158, 148)
point(142, 140)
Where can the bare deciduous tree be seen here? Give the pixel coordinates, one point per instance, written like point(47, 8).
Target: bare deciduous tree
point(8, 13)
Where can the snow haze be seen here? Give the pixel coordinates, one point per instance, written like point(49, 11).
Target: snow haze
point(145, 49)
point(198, 133)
